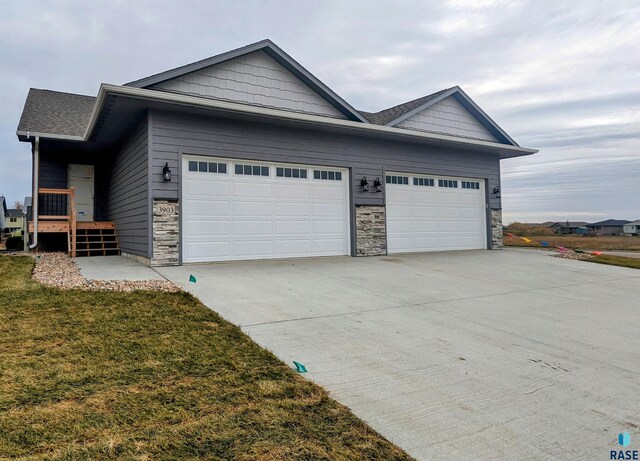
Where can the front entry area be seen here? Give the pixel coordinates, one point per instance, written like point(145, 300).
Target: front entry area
point(435, 213)
point(240, 209)
point(82, 178)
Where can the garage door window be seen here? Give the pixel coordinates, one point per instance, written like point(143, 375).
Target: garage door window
point(447, 183)
point(429, 182)
point(283, 172)
point(398, 180)
point(252, 170)
point(470, 185)
point(207, 167)
point(328, 175)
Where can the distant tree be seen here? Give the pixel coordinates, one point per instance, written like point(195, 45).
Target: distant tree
point(18, 205)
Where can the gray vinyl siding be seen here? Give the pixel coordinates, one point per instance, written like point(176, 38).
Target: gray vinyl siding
point(127, 202)
point(53, 172)
point(174, 134)
point(448, 117)
point(256, 79)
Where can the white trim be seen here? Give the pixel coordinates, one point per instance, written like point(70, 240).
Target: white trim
point(106, 89)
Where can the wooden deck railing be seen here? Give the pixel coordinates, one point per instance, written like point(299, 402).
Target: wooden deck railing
point(70, 218)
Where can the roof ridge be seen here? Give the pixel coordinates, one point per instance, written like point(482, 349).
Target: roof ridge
point(63, 92)
point(386, 115)
point(413, 100)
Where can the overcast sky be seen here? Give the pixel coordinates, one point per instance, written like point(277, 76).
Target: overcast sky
point(562, 77)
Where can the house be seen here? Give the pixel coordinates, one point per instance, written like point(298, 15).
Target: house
point(608, 227)
point(631, 229)
point(14, 221)
point(567, 227)
point(3, 214)
point(247, 155)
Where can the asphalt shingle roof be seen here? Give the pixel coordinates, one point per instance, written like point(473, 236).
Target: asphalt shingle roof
point(54, 112)
point(611, 222)
point(14, 213)
point(385, 116)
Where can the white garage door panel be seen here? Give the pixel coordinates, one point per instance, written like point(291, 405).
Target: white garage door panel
point(287, 191)
point(226, 216)
point(434, 218)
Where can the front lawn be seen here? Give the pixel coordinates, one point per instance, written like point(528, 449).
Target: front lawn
point(616, 261)
point(153, 376)
point(574, 241)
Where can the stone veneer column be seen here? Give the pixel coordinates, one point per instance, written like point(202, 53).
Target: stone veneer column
point(371, 231)
point(166, 233)
point(496, 229)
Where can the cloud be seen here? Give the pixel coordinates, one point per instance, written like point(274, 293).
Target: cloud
point(554, 76)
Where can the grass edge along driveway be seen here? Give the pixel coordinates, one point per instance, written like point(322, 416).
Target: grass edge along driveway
point(154, 376)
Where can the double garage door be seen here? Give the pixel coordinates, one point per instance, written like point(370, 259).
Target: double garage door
point(435, 213)
point(237, 209)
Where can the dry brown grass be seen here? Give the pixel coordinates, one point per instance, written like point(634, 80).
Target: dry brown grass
point(154, 376)
point(584, 243)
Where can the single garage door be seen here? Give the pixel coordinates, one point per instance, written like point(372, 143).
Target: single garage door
point(434, 213)
point(239, 209)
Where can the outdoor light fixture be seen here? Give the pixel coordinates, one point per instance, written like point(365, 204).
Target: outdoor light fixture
point(166, 173)
point(378, 184)
point(496, 191)
point(364, 184)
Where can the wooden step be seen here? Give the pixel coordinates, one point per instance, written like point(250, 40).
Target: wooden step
point(96, 239)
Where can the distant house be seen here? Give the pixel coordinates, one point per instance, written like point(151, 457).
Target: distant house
point(632, 228)
point(567, 227)
point(608, 227)
point(14, 222)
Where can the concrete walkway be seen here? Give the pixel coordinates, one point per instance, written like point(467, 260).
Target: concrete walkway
point(467, 355)
point(114, 268)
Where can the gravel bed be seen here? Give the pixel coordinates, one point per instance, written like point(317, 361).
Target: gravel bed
point(573, 255)
point(58, 270)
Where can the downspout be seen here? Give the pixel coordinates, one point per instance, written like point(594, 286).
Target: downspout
point(34, 199)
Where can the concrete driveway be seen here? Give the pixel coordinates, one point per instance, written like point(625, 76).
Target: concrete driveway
point(467, 355)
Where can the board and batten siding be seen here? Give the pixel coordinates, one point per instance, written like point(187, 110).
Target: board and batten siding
point(256, 79)
point(448, 117)
point(53, 172)
point(128, 193)
point(175, 133)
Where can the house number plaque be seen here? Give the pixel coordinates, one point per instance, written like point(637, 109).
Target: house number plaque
point(166, 209)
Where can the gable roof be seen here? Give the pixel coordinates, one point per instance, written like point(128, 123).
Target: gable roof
point(73, 117)
point(14, 213)
point(611, 222)
point(276, 53)
point(397, 114)
point(64, 114)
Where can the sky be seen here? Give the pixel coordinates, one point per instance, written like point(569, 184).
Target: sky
point(562, 77)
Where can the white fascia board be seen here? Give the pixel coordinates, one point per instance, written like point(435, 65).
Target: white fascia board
point(232, 107)
point(64, 137)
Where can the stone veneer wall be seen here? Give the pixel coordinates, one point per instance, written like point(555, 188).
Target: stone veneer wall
point(371, 231)
point(496, 229)
point(166, 233)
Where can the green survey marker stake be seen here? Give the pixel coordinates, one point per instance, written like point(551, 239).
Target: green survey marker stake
point(192, 279)
point(300, 368)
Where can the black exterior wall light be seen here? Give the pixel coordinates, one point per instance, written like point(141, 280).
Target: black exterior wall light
point(364, 184)
point(496, 192)
point(378, 184)
point(166, 173)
